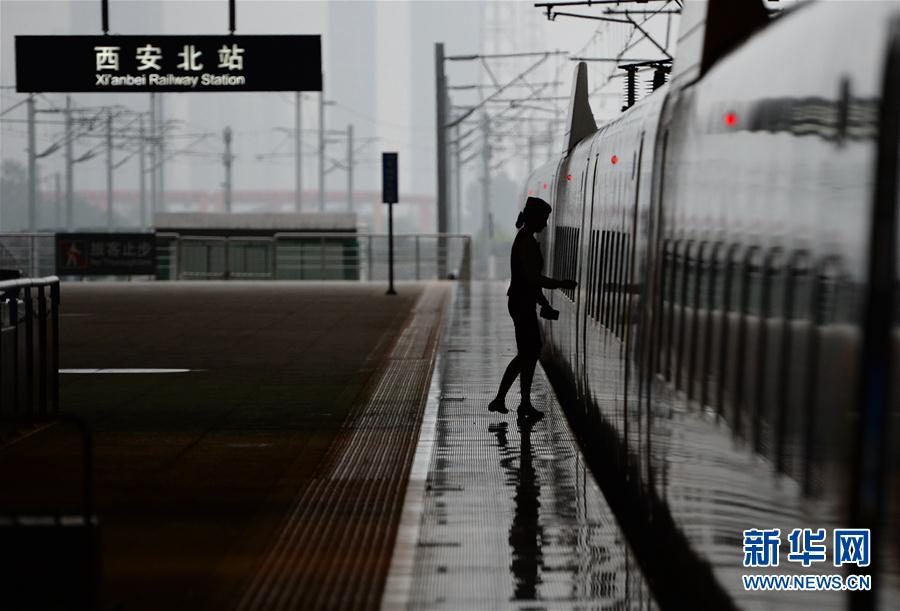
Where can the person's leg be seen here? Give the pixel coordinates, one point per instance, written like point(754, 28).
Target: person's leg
point(509, 376)
point(526, 375)
point(498, 404)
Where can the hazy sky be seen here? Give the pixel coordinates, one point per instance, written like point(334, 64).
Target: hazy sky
point(378, 64)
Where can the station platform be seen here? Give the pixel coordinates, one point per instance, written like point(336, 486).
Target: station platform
point(500, 514)
point(232, 423)
point(274, 446)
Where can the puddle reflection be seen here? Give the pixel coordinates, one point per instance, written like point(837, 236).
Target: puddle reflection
point(525, 533)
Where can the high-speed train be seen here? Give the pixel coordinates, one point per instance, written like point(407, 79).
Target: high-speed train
point(732, 346)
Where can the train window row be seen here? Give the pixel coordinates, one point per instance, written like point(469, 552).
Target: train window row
point(738, 330)
point(710, 276)
point(607, 281)
point(565, 256)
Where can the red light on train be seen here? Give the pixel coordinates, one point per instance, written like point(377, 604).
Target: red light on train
point(730, 119)
point(545, 185)
point(569, 177)
point(530, 192)
point(614, 160)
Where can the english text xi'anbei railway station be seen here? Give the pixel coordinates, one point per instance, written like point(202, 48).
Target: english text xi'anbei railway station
point(412, 304)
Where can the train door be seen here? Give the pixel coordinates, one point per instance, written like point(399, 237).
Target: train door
point(628, 326)
point(585, 273)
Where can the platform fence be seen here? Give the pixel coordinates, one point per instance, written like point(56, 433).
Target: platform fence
point(32, 254)
point(29, 353)
point(312, 256)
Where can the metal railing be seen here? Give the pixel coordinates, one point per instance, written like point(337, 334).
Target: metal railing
point(33, 254)
point(29, 361)
point(311, 256)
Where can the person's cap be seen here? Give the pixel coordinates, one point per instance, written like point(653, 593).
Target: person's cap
point(535, 204)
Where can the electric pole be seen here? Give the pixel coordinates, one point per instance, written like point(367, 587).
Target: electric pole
point(227, 158)
point(59, 203)
point(322, 149)
point(161, 127)
point(486, 194)
point(109, 171)
point(142, 163)
point(32, 166)
point(70, 169)
point(530, 153)
point(350, 168)
point(298, 152)
point(458, 188)
point(441, 144)
point(154, 160)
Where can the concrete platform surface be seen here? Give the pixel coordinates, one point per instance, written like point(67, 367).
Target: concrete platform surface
point(501, 515)
point(197, 473)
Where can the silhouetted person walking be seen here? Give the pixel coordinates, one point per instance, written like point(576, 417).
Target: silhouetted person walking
point(526, 282)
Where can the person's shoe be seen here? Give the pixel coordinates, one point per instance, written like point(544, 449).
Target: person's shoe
point(527, 412)
point(497, 405)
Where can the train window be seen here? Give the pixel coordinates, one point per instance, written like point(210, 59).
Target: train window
point(801, 294)
point(589, 293)
point(698, 275)
point(595, 252)
point(623, 284)
point(602, 275)
point(684, 282)
point(753, 282)
point(616, 282)
point(834, 294)
point(576, 244)
point(660, 305)
point(672, 272)
point(747, 338)
point(728, 279)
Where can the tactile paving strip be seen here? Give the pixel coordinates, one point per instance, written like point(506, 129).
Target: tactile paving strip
point(512, 517)
point(333, 550)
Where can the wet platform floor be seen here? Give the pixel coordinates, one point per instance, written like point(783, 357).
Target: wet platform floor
point(508, 516)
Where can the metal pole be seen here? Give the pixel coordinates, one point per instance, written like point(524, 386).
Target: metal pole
point(142, 162)
point(530, 154)
point(59, 202)
point(29, 352)
point(161, 126)
point(154, 160)
point(458, 187)
point(298, 151)
point(391, 290)
point(42, 350)
point(32, 166)
point(369, 262)
point(350, 168)
point(486, 194)
point(109, 171)
point(441, 144)
point(227, 159)
point(54, 338)
point(322, 149)
point(70, 166)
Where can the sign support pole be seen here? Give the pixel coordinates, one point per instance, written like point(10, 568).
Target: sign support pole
point(298, 152)
point(70, 170)
point(391, 290)
point(109, 171)
point(389, 196)
point(32, 167)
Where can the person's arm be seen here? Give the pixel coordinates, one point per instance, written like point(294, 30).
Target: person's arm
point(532, 266)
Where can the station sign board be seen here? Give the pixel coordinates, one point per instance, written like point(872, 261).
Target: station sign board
point(123, 64)
point(105, 254)
point(389, 193)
